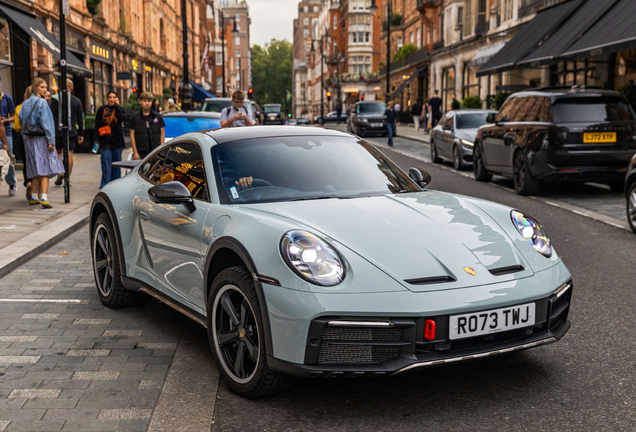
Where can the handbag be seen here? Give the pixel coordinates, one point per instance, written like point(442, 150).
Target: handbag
point(32, 130)
point(105, 130)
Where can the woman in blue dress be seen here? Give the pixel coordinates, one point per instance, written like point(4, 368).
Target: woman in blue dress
point(41, 157)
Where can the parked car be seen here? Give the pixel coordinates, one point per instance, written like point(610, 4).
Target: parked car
point(332, 117)
point(303, 121)
point(368, 118)
point(273, 114)
point(217, 105)
point(258, 112)
point(630, 189)
point(558, 135)
point(180, 122)
point(307, 252)
point(454, 136)
point(292, 122)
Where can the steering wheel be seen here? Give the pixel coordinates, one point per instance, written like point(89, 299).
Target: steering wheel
point(260, 183)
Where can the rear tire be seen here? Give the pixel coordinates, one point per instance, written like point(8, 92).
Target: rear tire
point(524, 182)
point(479, 169)
point(237, 336)
point(631, 206)
point(617, 186)
point(106, 269)
point(434, 156)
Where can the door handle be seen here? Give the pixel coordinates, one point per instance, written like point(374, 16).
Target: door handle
point(144, 216)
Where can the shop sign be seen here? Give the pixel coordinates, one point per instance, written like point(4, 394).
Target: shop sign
point(100, 52)
point(123, 76)
point(135, 64)
point(148, 69)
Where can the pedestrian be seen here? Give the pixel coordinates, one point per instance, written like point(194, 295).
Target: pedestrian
point(17, 134)
point(75, 130)
point(236, 115)
point(398, 107)
point(38, 129)
point(7, 160)
point(172, 106)
point(455, 104)
point(426, 117)
point(146, 128)
point(338, 112)
point(416, 112)
point(435, 104)
point(156, 106)
point(108, 121)
point(47, 96)
point(7, 116)
point(391, 120)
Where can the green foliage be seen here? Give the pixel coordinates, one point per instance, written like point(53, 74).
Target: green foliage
point(272, 71)
point(404, 52)
point(472, 102)
point(629, 91)
point(133, 103)
point(93, 6)
point(167, 92)
point(89, 122)
point(397, 19)
point(499, 100)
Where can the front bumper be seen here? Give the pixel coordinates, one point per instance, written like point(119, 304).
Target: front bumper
point(373, 351)
point(367, 128)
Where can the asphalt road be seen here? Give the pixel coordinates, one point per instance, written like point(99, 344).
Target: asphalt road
point(584, 382)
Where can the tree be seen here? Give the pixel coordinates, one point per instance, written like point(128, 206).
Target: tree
point(272, 71)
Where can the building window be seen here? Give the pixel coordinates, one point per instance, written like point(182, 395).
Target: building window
point(448, 86)
point(460, 22)
point(306, 21)
point(238, 64)
point(367, 36)
point(399, 42)
point(219, 85)
point(102, 81)
point(305, 9)
point(306, 33)
point(412, 38)
point(237, 53)
point(419, 38)
point(315, 9)
point(481, 12)
point(237, 40)
point(471, 81)
point(219, 59)
point(355, 37)
point(5, 42)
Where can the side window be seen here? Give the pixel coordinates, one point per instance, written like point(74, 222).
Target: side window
point(447, 119)
point(185, 164)
point(522, 109)
point(151, 169)
point(506, 110)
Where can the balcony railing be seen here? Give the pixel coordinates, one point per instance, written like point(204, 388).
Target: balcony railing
point(412, 59)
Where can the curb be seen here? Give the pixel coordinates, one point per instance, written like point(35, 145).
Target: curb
point(21, 251)
point(412, 138)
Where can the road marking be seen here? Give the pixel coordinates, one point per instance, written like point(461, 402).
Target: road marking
point(8, 227)
point(41, 300)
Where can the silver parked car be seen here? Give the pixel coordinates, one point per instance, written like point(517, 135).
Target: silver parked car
point(454, 136)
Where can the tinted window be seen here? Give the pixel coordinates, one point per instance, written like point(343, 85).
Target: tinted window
point(471, 121)
point(591, 109)
point(151, 168)
point(176, 126)
point(185, 164)
point(216, 105)
point(296, 168)
point(506, 111)
point(530, 109)
point(271, 108)
point(371, 108)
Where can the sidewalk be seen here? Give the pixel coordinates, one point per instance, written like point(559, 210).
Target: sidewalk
point(408, 131)
point(26, 231)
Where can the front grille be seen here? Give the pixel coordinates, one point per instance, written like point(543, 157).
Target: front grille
point(361, 334)
point(356, 353)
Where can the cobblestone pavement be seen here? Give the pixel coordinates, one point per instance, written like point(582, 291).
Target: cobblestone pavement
point(67, 363)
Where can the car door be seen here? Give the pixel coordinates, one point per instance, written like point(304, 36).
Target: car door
point(172, 234)
point(493, 140)
point(448, 135)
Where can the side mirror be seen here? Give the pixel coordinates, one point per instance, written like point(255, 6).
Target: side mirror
point(447, 127)
point(172, 192)
point(422, 178)
point(490, 118)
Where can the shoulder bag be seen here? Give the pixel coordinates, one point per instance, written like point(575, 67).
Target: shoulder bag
point(105, 130)
point(33, 130)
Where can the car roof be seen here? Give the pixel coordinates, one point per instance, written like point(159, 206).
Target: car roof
point(271, 105)
point(474, 111)
point(192, 114)
point(242, 133)
point(558, 92)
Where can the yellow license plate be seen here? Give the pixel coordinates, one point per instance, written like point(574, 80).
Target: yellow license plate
point(599, 137)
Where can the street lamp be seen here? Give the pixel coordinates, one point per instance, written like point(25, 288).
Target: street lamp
point(186, 89)
point(234, 30)
point(322, 77)
point(373, 8)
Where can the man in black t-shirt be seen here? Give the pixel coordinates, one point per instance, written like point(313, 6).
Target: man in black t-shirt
point(416, 112)
point(455, 103)
point(435, 104)
point(146, 128)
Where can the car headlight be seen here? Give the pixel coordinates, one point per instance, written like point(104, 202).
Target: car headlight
point(468, 143)
point(312, 258)
point(363, 120)
point(532, 232)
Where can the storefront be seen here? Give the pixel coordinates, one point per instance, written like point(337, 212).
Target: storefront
point(102, 67)
point(75, 43)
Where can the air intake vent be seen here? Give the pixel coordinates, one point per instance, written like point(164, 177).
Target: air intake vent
point(430, 280)
point(506, 270)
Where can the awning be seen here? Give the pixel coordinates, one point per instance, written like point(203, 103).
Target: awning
point(422, 71)
point(615, 31)
point(485, 53)
point(579, 23)
point(199, 93)
point(38, 32)
point(531, 34)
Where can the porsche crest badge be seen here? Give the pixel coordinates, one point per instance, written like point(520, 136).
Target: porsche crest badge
point(471, 271)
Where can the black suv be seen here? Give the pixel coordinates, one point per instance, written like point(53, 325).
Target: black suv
point(368, 118)
point(554, 135)
point(273, 114)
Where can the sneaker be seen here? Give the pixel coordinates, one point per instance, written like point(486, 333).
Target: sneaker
point(46, 204)
point(12, 190)
point(28, 192)
point(59, 180)
point(34, 201)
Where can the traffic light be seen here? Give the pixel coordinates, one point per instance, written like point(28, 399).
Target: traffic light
point(250, 93)
point(361, 97)
point(289, 115)
point(134, 90)
point(328, 96)
point(289, 96)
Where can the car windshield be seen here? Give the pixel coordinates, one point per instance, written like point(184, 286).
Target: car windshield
point(216, 105)
point(471, 121)
point(271, 109)
point(304, 168)
point(372, 108)
point(591, 109)
point(180, 125)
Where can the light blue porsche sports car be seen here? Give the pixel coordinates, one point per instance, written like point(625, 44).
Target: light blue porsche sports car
point(307, 252)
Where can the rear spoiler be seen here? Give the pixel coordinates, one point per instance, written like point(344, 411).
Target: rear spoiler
point(127, 164)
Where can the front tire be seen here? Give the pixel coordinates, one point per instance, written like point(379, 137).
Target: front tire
point(479, 169)
point(106, 269)
point(458, 163)
point(524, 182)
point(631, 206)
point(434, 156)
point(237, 336)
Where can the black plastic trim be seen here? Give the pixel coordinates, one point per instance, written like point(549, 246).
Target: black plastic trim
point(103, 199)
point(430, 280)
point(506, 270)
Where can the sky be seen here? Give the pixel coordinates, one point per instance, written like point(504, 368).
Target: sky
point(272, 19)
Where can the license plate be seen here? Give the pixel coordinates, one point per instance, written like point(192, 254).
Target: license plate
point(599, 137)
point(492, 321)
point(376, 124)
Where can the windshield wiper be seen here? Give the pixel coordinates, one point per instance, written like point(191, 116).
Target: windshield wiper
point(314, 198)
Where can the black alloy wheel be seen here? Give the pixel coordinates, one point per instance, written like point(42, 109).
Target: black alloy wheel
point(479, 169)
point(434, 156)
point(106, 269)
point(524, 182)
point(458, 163)
point(236, 334)
point(631, 206)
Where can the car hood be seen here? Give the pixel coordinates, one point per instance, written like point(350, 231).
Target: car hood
point(414, 236)
point(467, 134)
